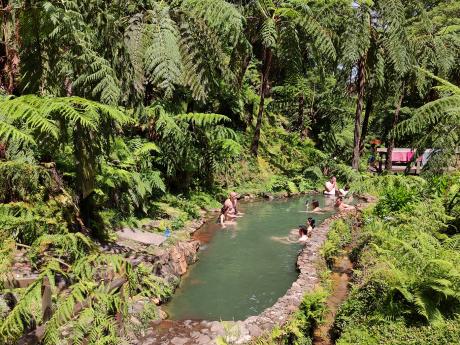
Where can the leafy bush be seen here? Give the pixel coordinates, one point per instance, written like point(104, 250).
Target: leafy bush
point(397, 333)
point(204, 200)
point(314, 174)
point(377, 185)
point(394, 199)
point(343, 173)
point(339, 235)
point(299, 329)
point(192, 210)
point(26, 223)
point(408, 274)
point(23, 181)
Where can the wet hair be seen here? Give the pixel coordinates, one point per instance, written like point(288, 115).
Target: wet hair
point(338, 199)
point(303, 231)
point(315, 203)
point(347, 187)
point(311, 221)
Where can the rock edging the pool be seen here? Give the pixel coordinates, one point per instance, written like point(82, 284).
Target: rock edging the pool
point(192, 332)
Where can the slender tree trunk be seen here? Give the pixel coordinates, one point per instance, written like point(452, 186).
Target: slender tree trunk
point(359, 109)
point(242, 71)
point(391, 141)
point(11, 41)
point(367, 114)
point(266, 64)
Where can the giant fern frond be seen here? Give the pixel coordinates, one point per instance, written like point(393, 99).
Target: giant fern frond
point(202, 119)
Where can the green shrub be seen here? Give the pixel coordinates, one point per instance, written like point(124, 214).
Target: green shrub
point(203, 200)
point(192, 210)
point(339, 235)
point(395, 199)
point(278, 184)
point(313, 174)
point(299, 329)
point(23, 181)
point(26, 223)
point(397, 333)
point(377, 185)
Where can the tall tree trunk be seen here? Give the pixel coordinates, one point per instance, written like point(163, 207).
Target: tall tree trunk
point(266, 64)
point(367, 114)
point(11, 41)
point(391, 141)
point(359, 109)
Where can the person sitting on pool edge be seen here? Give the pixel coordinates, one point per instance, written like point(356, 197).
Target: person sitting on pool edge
point(310, 226)
point(330, 187)
point(341, 206)
point(343, 192)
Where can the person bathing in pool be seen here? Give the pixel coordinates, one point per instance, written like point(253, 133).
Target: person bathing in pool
point(343, 192)
point(314, 208)
point(303, 232)
point(341, 206)
point(330, 187)
point(298, 235)
point(229, 211)
point(310, 226)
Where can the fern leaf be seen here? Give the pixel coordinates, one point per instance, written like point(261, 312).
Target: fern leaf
point(202, 119)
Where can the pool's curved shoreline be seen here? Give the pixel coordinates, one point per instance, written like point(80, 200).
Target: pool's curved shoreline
point(192, 332)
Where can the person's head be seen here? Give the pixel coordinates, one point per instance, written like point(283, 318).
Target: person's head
point(347, 187)
point(333, 179)
point(314, 203)
point(338, 201)
point(311, 222)
point(233, 195)
point(303, 231)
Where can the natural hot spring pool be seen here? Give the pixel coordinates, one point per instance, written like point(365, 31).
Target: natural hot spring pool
point(241, 270)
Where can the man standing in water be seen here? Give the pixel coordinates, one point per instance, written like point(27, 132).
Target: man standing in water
point(331, 186)
point(229, 210)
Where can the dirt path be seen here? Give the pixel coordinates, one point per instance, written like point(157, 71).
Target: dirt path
point(340, 277)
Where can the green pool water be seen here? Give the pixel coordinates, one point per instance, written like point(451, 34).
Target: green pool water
point(241, 270)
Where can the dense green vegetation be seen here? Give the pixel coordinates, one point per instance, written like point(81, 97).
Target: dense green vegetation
point(117, 113)
point(406, 267)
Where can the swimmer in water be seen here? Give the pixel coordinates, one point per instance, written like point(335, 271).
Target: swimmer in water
point(315, 206)
point(303, 235)
point(310, 226)
point(341, 206)
point(295, 236)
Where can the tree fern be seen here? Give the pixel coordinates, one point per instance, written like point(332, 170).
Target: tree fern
point(100, 78)
point(268, 33)
point(436, 123)
point(202, 119)
point(162, 59)
point(170, 44)
point(71, 246)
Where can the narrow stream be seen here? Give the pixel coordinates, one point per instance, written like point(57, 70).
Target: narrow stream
point(340, 277)
point(242, 269)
